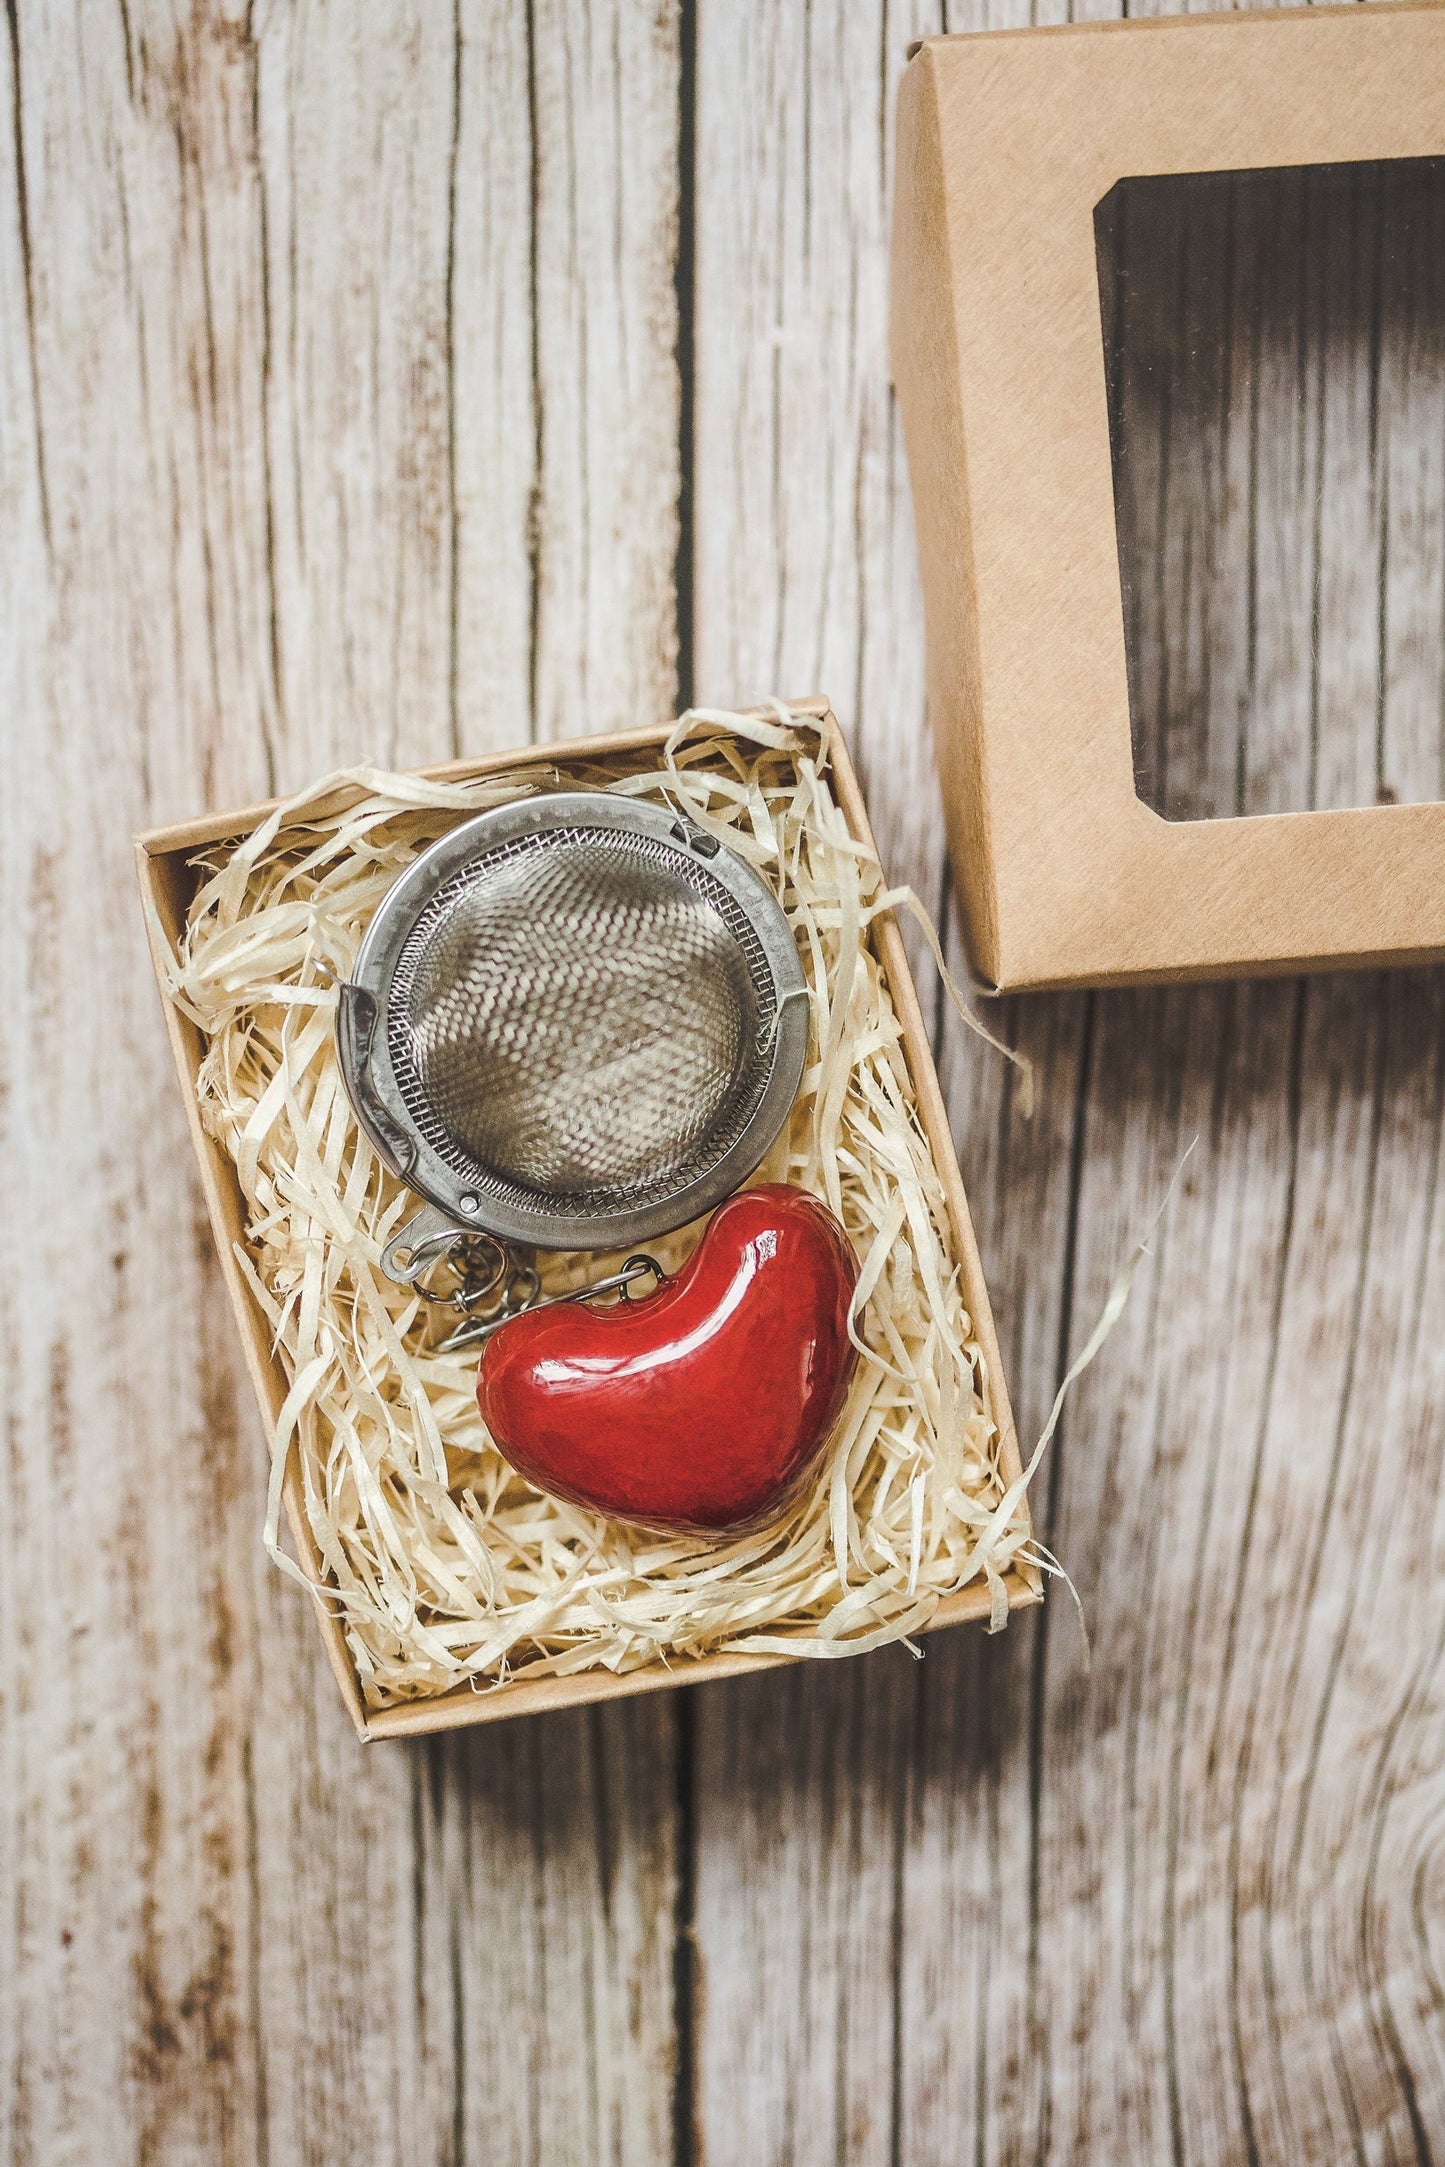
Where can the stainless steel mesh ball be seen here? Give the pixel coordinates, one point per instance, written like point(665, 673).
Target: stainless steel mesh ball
point(580, 1017)
point(575, 1022)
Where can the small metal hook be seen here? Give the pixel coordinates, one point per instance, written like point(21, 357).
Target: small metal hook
point(478, 1261)
point(475, 1330)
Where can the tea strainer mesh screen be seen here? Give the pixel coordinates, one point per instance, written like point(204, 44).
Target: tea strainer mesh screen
point(575, 1022)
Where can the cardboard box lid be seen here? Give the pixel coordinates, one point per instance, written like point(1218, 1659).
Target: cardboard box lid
point(1007, 143)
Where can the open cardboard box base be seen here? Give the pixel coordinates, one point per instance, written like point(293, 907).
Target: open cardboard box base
point(169, 880)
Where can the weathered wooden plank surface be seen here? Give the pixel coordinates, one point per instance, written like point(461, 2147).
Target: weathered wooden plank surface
point(1157, 1907)
point(1280, 484)
point(341, 414)
point(307, 456)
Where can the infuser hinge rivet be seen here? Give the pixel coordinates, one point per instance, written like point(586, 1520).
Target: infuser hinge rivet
point(697, 839)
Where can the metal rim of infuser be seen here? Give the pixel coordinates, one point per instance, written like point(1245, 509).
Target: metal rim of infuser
point(575, 1022)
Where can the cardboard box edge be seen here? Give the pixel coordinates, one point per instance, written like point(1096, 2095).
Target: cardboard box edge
point(936, 1124)
point(955, 43)
point(184, 1040)
point(463, 1706)
point(921, 263)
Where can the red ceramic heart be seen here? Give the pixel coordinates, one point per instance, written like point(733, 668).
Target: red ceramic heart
point(703, 1404)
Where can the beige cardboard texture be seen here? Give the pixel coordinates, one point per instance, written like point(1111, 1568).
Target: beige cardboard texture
point(168, 880)
point(1006, 144)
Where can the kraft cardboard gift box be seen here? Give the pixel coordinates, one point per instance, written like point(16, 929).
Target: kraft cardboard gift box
point(1007, 144)
point(169, 879)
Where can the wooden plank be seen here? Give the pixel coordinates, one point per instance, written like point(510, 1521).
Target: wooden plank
point(604, 92)
point(360, 149)
point(970, 1949)
point(1203, 1802)
point(1156, 1907)
point(1411, 410)
point(132, 1612)
point(501, 1842)
point(803, 572)
point(1182, 1902)
point(803, 575)
point(269, 478)
point(1271, 670)
point(1217, 1726)
point(1160, 1912)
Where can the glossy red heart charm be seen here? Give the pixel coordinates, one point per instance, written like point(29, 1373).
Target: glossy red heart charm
point(703, 1404)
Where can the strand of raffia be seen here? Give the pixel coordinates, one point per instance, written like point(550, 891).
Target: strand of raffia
point(444, 1566)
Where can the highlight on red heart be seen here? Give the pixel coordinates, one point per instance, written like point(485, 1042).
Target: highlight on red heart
point(704, 1405)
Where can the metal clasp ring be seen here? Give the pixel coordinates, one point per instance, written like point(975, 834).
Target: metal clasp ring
point(473, 1331)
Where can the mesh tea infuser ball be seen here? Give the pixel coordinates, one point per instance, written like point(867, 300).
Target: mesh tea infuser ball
point(575, 1022)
